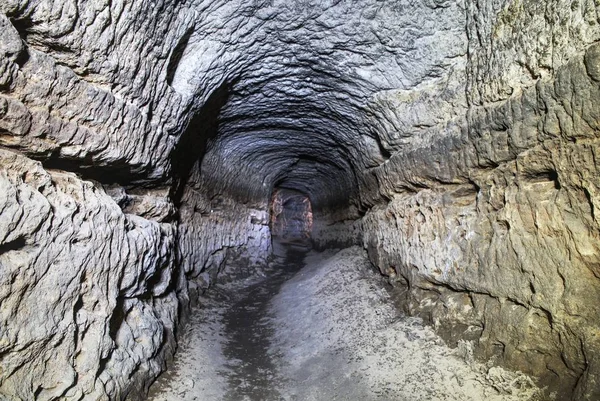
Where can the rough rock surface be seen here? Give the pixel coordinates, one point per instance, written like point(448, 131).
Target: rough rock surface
point(493, 224)
point(330, 333)
point(87, 292)
point(141, 142)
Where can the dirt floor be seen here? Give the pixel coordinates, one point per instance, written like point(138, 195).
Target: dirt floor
point(322, 327)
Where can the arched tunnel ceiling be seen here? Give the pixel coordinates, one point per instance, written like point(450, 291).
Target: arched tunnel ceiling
point(300, 77)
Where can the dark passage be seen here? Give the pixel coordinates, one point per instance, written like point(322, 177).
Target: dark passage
point(291, 216)
point(249, 332)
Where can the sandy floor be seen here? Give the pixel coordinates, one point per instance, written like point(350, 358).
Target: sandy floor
point(327, 332)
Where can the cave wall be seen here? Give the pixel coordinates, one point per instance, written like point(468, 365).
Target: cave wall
point(490, 229)
point(103, 245)
point(89, 294)
point(97, 281)
point(336, 229)
point(218, 230)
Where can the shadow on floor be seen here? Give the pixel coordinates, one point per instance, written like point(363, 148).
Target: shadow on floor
point(247, 326)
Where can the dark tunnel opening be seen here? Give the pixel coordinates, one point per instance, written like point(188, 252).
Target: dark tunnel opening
point(291, 216)
point(203, 126)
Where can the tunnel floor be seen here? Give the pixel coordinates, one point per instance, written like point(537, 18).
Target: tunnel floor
point(322, 327)
point(252, 370)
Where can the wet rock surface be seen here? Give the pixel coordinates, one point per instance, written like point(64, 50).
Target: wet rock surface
point(249, 334)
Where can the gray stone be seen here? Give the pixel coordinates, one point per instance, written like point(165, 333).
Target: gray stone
point(141, 142)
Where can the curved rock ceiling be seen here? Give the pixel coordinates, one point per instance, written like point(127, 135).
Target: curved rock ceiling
point(299, 79)
point(297, 84)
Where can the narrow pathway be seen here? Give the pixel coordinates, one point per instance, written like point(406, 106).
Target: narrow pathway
point(224, 354)
point(322, 327)
point(249, 332)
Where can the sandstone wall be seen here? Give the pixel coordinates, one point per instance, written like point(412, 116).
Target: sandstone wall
point(213, 232)
point(89, 294)
point(339, 229)
point(491, 227)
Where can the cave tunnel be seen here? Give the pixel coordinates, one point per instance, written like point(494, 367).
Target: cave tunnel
point(291, 216)
point(299, 200)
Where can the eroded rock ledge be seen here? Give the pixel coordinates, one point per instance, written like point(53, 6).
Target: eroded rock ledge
point(140, 143)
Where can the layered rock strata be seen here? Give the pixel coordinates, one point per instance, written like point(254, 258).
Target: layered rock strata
point(140, 143)
point(492, 226)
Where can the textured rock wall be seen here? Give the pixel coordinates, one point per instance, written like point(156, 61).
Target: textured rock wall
point(91, 294)
point(491, 226)
point(101, 245)
point(71, 98)
point(333, 230)
point(88, 293)
point(213, 232)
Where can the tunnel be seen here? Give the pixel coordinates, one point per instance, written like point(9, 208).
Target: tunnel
point(291, 216)
point(299, 200)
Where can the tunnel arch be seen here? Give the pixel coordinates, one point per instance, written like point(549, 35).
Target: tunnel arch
point(291, 216)
point(303, 91)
